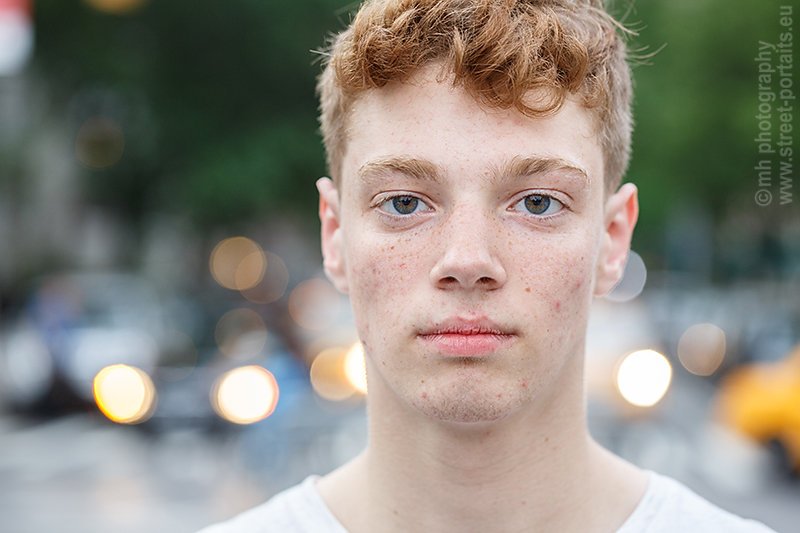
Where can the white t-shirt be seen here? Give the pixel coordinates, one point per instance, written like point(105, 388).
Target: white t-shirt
point(667, 507)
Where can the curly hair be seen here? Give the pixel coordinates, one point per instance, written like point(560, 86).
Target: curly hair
point(498, 51)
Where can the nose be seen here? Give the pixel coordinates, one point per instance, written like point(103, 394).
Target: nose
point(467, 259)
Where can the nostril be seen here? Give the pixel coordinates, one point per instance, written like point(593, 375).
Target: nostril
point(485, 280)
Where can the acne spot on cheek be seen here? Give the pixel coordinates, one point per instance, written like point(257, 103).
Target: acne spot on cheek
point(524, 383)
point(499, 395)
point(558, 306)
point(424, 394)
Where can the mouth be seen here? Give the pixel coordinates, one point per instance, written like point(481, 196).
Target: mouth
point(467, 338)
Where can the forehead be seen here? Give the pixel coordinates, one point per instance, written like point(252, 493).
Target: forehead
point(429, 119)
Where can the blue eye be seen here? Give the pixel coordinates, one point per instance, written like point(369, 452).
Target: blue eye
point(404, 205)
point(539, 204)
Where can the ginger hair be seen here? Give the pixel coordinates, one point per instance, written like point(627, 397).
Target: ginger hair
point(498, 51)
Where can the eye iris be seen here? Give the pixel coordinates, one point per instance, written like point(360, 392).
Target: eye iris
point(537, 204)
point(405, 205)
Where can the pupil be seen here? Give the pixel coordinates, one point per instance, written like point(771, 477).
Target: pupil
point(405, 204)
point(537, 204)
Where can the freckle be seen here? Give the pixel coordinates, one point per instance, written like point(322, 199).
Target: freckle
point(383, 363)
point(395, 511)
point(391, 247)
point(422, 381)
point(524, 502)
point(527, 289)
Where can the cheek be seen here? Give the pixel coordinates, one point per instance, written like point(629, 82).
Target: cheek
point(559, 278)
point(380, 274)
point(376, 267)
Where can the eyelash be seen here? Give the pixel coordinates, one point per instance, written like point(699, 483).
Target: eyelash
point(384, 200)
point(550, 200)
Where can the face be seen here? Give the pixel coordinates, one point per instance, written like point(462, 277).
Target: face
point(471, 242)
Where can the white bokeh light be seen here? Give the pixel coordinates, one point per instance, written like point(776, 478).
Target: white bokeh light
point(643, 377)
point(16, 39)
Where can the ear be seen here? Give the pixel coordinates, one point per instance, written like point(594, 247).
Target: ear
point(333, 257)
point(621, 212)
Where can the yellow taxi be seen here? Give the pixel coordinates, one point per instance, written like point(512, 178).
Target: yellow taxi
point(762, 402)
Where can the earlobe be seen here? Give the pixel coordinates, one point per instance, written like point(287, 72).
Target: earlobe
point(621, 213)
point(331, 236)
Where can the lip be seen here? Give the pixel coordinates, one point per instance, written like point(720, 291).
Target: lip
point(467, 337)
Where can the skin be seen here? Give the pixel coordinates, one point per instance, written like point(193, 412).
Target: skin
point(494, 440)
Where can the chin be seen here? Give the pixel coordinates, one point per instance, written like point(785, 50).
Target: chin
point(463, 414)
point(467, 403)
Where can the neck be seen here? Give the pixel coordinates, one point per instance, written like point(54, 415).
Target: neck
point(446, 476)
point(538, 465)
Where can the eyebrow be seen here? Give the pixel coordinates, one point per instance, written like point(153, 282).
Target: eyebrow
point(421, 169)
point(520, 167)
point(425, 170)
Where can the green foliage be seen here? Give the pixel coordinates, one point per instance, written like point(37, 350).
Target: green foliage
point(695, 105)
point(227, 89)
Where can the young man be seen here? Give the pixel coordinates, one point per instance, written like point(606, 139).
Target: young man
point(473, 212)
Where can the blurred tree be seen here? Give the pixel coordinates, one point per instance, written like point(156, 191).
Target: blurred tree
point(216, 100)
point(695, 108)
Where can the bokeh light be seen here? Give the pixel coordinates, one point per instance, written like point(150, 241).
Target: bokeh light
point(355, 368)
point(701, 349)
point(16, 36)
point(241, 333)
point(643, 377)
point(328, 376)
point(632, 282)
point(125, 394)
point(245, 395)
point(116, 7)
point(314, 304)
point(273, 283)
point(238, 263)
point(99, 143)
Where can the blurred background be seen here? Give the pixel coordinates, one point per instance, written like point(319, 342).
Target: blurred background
point(170, 351)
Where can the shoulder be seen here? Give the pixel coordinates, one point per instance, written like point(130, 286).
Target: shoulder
point(299, 509)
point(670, 507)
